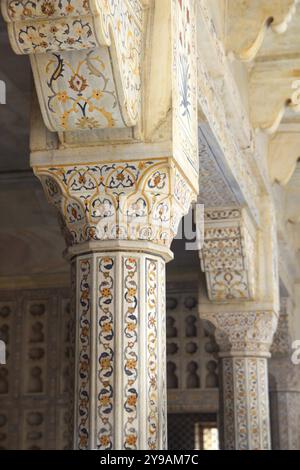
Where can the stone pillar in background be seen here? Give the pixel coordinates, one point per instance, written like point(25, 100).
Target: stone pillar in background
point(244, 339)
point(284, 385)
point(241, 303)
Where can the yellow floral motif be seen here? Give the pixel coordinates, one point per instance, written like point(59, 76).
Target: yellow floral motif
point(104, 401)
point(105, 363)
point(105, 292)
point(106, 327)
point(87, 123)
point(131, 326)
point(131, 364)
point(97, 94)
point(62, 96)
point(131, 291)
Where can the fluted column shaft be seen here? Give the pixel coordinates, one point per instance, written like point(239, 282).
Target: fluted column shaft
point(244, 403)
point(120, 358)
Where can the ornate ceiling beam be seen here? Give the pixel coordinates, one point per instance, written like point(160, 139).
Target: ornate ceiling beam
point(249, 21)
point(220, 102)
point(85, 57)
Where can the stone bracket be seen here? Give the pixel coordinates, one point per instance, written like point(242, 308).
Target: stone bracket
point(273, 90)
point(85, 57)
point(249, 21)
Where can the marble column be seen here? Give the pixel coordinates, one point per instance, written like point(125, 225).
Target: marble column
point(244, 339)
point(119, 220)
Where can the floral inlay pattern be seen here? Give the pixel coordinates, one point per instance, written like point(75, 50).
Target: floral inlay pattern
point(185, 82)
point(105, 394)
point(131, 200)
point(131, 352)
point(84, 318)
point(152, 312)
point(70, 46)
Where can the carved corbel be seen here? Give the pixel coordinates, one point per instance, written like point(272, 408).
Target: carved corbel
point(284, 152)
point(228, 255)
point(249, 20)
point(85, 57)
point(274, 88)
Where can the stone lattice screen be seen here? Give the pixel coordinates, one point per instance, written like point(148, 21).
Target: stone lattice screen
point(34, 383)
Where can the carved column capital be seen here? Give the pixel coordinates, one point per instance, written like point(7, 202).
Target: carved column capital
point(228, 254)
point(243, 333)
point(132, 200)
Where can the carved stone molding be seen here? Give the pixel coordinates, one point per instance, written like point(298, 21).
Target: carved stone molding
point(249, 21)
point(134, 200)
point(243, 333)
point(85, 57)
point(228, 255)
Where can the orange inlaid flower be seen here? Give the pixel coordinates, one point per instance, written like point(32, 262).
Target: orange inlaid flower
point(105, 363)
point(132, 400)
point(106, 327)
point(131, 364)
point(105, 292)
point(131, 440)
point(69, 8)
point(104, 401)
point(104, 441)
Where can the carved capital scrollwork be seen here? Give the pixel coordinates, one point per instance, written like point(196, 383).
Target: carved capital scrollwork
point(243, 333)
point(228, 255)
point(133, 200)
point(85, 58)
